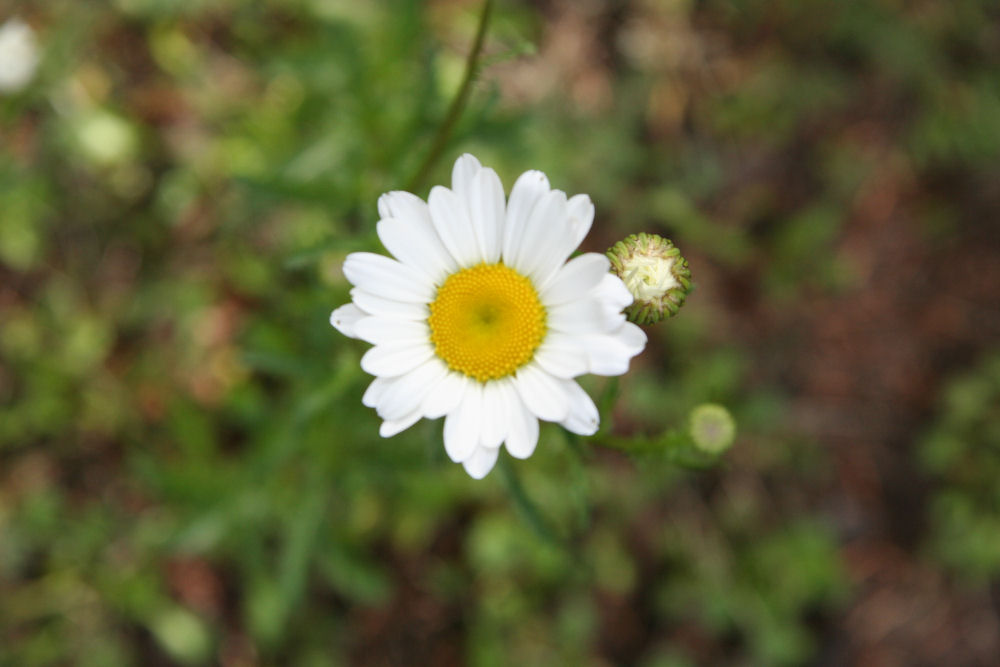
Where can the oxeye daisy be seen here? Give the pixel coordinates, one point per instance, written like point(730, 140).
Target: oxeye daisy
point(481, 319)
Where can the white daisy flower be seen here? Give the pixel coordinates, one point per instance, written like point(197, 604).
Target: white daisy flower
point(480, 319)
point(18, 55)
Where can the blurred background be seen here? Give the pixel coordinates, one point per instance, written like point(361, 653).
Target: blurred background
point(188, 477)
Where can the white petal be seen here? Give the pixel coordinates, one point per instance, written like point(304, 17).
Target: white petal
point(560, 250)
point(548, 239)
point(612, 293)
point(577, 277)
point(446, 396)
point(609, 354)
point(583, 418)
point(541, 236)
point(562, 355)
point(522, 430)
point(417, 246)
point(373, 394)
point(480, 190)
point(389, 428)
point(541, 393)
point(486, 211)
point(529, 188)
point(571, 230)
point(481, 462)
point(379, 330)
point(451, 220)
point(406, 207)
point(606, 357)
point(382, 307)
point(405, 393)
point(345, 318)
point(465, 169)
point(583, 316)
point(581, 215)
point(394, 360)
point(387, 278)
point(461, 426)
point(494, 426)
point(632, 337)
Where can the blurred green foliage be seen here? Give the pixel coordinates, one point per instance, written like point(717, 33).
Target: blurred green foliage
point(962, 450)
point(186, 472)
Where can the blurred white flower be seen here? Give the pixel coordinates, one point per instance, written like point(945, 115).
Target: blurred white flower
point(480, 318)
point(18, 55)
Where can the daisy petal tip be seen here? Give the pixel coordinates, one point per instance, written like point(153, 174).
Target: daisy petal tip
point(581, 212)
point(400, 204)
point(532, 183)
point(374, 392)
point(585, 428)
point(389, 428)
point(633, 336)
point(467, 164)
point(461, 426)
point(437, 192)
point(383, 206)
point(481, 462)
point(537, 177)
point(345, 318)
point(521, 452)
point(522, 435)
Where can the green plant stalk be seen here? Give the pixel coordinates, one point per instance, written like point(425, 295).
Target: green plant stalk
point(674, 446)
point(457, 104)
point(530, 511)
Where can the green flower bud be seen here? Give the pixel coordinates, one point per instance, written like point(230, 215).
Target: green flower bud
point(712, 428)
point(654, 272)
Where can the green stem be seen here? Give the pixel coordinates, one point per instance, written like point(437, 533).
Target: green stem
point(457, 104)
point(527, 507)
point(570, 547)
point(674, 446)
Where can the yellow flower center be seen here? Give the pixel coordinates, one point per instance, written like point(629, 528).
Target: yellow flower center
point(486, 321)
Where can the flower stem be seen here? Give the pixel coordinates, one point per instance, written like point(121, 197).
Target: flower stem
point(457, 104)
point(527, 507)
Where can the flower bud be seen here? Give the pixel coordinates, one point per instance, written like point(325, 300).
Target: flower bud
point(654, 272)
point(712, 428)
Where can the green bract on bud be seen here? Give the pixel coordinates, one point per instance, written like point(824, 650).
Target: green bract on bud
point(712, 428)
point(654, 272)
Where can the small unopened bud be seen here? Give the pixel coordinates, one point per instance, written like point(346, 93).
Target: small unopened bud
point(712, 428)
point(654, 272)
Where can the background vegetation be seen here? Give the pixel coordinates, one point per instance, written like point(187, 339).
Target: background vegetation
point(187, 475)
